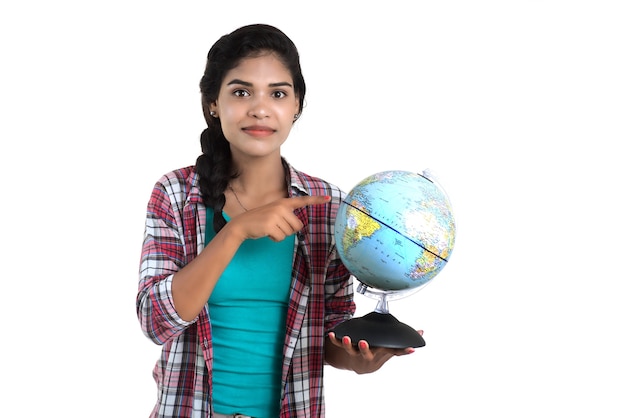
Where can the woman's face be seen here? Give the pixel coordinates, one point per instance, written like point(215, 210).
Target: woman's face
point(256, 106)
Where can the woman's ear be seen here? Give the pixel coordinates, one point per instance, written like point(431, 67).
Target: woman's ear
point(208, 110)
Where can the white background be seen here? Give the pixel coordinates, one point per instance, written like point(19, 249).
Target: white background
point(517, 106)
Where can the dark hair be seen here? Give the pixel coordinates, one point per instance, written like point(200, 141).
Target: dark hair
point(214, 165)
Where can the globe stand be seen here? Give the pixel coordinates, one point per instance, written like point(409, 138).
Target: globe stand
point(379, 328)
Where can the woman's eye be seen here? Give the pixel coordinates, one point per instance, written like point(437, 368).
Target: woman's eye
point(241, 93)
point(279, 94)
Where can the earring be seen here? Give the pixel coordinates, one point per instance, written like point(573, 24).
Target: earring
point(212, 113)
point(296, 116)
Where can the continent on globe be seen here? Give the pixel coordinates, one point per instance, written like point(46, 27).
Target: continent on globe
point(360, 226)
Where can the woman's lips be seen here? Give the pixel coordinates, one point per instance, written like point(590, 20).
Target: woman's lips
point(259, 131)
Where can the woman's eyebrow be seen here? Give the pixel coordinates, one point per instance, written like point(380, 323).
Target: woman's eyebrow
point(247, 84)
point(237, 81)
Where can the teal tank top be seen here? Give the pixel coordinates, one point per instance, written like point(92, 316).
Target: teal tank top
point(248, 309)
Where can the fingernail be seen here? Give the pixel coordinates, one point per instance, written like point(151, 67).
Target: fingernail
point(346, 340)
point(363, 344)
point(410, 350)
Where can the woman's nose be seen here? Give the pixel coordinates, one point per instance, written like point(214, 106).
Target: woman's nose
point(259, 107)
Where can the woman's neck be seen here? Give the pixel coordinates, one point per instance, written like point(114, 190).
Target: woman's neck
point(259, 183)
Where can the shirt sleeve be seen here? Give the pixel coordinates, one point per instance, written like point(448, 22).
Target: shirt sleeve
point(340, 304)
point(162, 255)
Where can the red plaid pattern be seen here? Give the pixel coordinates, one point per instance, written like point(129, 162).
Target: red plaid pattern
point(321, 297)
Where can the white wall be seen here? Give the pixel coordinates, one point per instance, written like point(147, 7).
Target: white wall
point(517, 106)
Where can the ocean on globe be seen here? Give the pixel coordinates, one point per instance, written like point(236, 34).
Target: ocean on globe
point(395, 230)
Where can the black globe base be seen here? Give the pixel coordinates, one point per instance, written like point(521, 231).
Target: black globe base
point(379, 330)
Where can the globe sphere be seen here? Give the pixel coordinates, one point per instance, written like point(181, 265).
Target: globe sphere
point(395, 230)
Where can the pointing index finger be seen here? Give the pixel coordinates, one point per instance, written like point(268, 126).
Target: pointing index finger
point(302, 201)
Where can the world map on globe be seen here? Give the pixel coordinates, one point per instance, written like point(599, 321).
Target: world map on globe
point(395, 230)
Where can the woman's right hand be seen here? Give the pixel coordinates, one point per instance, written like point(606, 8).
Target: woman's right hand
point(275, 220)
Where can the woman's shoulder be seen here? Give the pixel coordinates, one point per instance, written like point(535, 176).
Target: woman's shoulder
point(180, 177)
point(313, 185)
point(174, 190)
point(180, 183)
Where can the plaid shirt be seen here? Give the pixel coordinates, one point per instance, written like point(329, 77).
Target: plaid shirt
point(321, 297)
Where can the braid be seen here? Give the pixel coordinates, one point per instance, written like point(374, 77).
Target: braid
point(215, 170)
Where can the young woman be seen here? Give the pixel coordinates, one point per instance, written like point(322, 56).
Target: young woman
point(239, 278)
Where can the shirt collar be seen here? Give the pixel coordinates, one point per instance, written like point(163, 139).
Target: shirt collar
point(297, 184)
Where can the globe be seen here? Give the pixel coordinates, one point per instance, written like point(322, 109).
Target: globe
point(395, 232)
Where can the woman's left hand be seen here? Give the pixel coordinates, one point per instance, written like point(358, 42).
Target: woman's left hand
point(363, 358)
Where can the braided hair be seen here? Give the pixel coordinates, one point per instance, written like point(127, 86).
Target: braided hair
point(214, 165)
